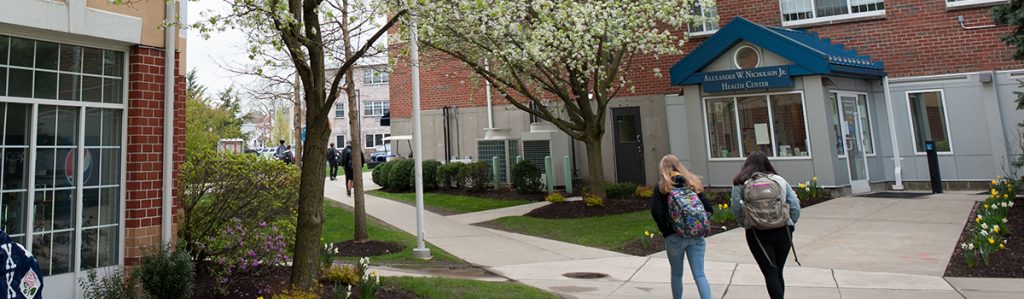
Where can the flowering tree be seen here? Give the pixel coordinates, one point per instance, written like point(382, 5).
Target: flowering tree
point(1013, 15)
point(562, 61)
point(305, 31)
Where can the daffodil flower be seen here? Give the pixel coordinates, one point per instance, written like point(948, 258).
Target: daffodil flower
point(991, 241)
point(995, 229)
point(994, 182)
point(1001, 246)
point(985, 206)
point(647, 233)
point(814, 178)
point(1004, 220)
point(726, 206)
point(994, 192)
point(984, 226)
point(802, 185)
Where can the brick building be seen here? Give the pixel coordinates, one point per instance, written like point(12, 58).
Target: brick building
point(861, 81)
point(82, 95)
point(372, 94)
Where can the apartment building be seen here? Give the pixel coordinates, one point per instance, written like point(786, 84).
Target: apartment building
point(82, 96)
point(374, 102)
point(828, 88)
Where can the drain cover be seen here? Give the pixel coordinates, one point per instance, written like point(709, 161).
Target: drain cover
point(585, 275)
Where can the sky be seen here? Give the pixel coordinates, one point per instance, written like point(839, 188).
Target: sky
point(223, 48)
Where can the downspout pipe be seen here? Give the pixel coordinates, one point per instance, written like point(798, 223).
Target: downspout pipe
point(896, 159)
point(170, 37)
point(490, 110)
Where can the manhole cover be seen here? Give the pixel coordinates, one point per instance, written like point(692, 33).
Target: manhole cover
point(585, 275)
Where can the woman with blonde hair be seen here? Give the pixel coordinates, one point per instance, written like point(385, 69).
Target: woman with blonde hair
point(682, 212)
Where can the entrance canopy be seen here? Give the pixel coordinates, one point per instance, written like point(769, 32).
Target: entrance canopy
point(810, 54)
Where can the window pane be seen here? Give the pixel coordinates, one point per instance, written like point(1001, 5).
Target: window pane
point(64, 170)
point(70, 87)
point(92, 89)
point(4, 42)
point(46, 126)
point(711, 18)
point(110, 167)
point(71, 58)
point(793, 10)
point(67, 126)
point(929, 119)
point(721, 120)
point(369, 141)
point(90, 209)
point(46, 85)
point(837, 128)
point(20, 83)
point(367, 76)
point(112, 90)
point(93, 170)
point(857, 6)
point(93, 120)
point(865, 124)
point(378, 139)
point(46, 55)
point(89, 254)
point(111, 127)
point(92, 62)
point(340, 140)
point(367, 108)
point(824, 8)
point(108, 246)
point(789, 126)
point(3, 81)
point(113, 63)
point(22, 52)
point(54, 252)
point(12, 219)
point(339, 110)
point(753, 113)
point(110, 200)
point(15, 170)
point(384, 77)
point(16, 128)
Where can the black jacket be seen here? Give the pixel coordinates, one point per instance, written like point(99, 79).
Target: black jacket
point(346, 157)
point(333, 157)
point(659, 207)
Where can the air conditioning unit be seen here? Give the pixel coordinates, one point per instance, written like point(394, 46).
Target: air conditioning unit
point(544, 139)
point(497, 143)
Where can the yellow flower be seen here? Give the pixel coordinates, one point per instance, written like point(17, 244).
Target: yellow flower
point(995, 229)
point(726, 206)
point(999, 177)
point(994, 192)
point(985, 206)
point(1001, 246)
point(802, 186)
point(994, 182)
point(814, 178)
point(1005, 196)
point(977, 220)
point(991, 241)
point(647, 233)
point(260, 297)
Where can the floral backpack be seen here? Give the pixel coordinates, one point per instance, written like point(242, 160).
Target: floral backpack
point(24, 278)
point(688, 216)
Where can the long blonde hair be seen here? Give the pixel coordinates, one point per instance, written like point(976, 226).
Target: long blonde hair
point(670, 167)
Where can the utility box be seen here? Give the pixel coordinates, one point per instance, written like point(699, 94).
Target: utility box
point(544, 139)
point(499, 145)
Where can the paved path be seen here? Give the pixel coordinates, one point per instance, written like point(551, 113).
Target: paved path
point(851, 248)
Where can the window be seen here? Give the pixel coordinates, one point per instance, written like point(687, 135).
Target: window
point(746, 57)
point(964, 3)
point(72, 170)
point(863, 114)
point(340, 140)
point(794, 12)
point(708, 20)
point(773, 124)
point(928, 116)
point(371, 76)
point(339, 110)
point(376, 108)
point(373, 140)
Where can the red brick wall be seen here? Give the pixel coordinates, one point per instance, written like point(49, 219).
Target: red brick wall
point(145, 148)
point(916, 38)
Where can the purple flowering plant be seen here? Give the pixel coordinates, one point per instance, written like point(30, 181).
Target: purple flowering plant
point(246, 252)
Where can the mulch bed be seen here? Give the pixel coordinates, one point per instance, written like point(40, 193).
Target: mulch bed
point(368, 248)
point(1002, 263)
point(579, 209)
point(276, 280)
point(494, 194)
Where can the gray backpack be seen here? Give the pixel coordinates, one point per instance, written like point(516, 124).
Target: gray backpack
point(764, 203)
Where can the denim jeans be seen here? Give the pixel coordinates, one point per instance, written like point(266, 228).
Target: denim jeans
point(691, 249)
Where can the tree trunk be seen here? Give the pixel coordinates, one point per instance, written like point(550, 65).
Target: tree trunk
point(297, 122)
point(311, 206)
point(595, 164)
point(355, 131)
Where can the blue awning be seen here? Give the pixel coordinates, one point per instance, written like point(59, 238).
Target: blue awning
point(810, 54)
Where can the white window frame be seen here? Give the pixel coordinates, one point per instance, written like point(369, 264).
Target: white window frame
point(703, 13)
point(945, 115)
point(81, 106)
point(342, 106)
point(375, 107)
point(850, 15)
point(376, 77)
point(867, 103)
point(736, 57)
point(973, 3)
point(771, 126)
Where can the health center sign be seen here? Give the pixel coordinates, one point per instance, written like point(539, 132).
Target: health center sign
point(748, 79)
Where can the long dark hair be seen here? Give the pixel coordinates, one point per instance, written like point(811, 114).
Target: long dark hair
point(756, 162)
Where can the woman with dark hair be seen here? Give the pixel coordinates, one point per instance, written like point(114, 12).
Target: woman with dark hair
point(770, 247)
point(678, 183)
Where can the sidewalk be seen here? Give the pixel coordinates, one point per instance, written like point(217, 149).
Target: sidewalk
point(889, 248)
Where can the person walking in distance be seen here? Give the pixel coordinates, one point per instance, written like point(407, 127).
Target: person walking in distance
point(768, 209)
point(682, 214)
point(280, 151)
point(333, 160)
point(346, 163)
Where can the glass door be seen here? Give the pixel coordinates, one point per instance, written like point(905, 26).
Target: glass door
point(853, 139)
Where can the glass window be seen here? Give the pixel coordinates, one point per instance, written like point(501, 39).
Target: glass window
point(796, 10)
point(46, 55)
point(788, 125)
point(707, 19)
point(864, 112)
point(958, 3)
point(371, 76)
point(837, 127)
point(22, 52)
point(46, 70)
point(369, 141)
point(340, 140)
point(721, 118)
point(339, 110)
point(4, 45)
point(928, 116)
point(753, 117)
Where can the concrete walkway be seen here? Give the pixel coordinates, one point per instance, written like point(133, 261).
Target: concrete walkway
point(851, 247)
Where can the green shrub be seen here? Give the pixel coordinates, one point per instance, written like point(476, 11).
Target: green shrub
point(429, 175)
point(526, 177)
point(401, 175)
point(448, 175)
point(381, 173)
point(218, 187)
point(115, 285)
point(593, 200)
point(166, 274)
point(555, 197)
point(644, 192)
point(477, 175)
point(619, 190)
point(348, 275)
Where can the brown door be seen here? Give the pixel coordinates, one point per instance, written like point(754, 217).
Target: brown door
point(629, 153)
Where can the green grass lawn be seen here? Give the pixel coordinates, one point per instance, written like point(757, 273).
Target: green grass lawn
point(338, 226)
point(608, 232)
point(452, 204)
point(341, 171)
point(435, 287)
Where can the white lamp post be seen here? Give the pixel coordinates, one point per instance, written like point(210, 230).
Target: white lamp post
point(421, 251)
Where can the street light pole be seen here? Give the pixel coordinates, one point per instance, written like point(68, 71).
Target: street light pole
point(421, 251)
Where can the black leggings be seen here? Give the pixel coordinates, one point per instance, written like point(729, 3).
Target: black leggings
point(777, 244)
